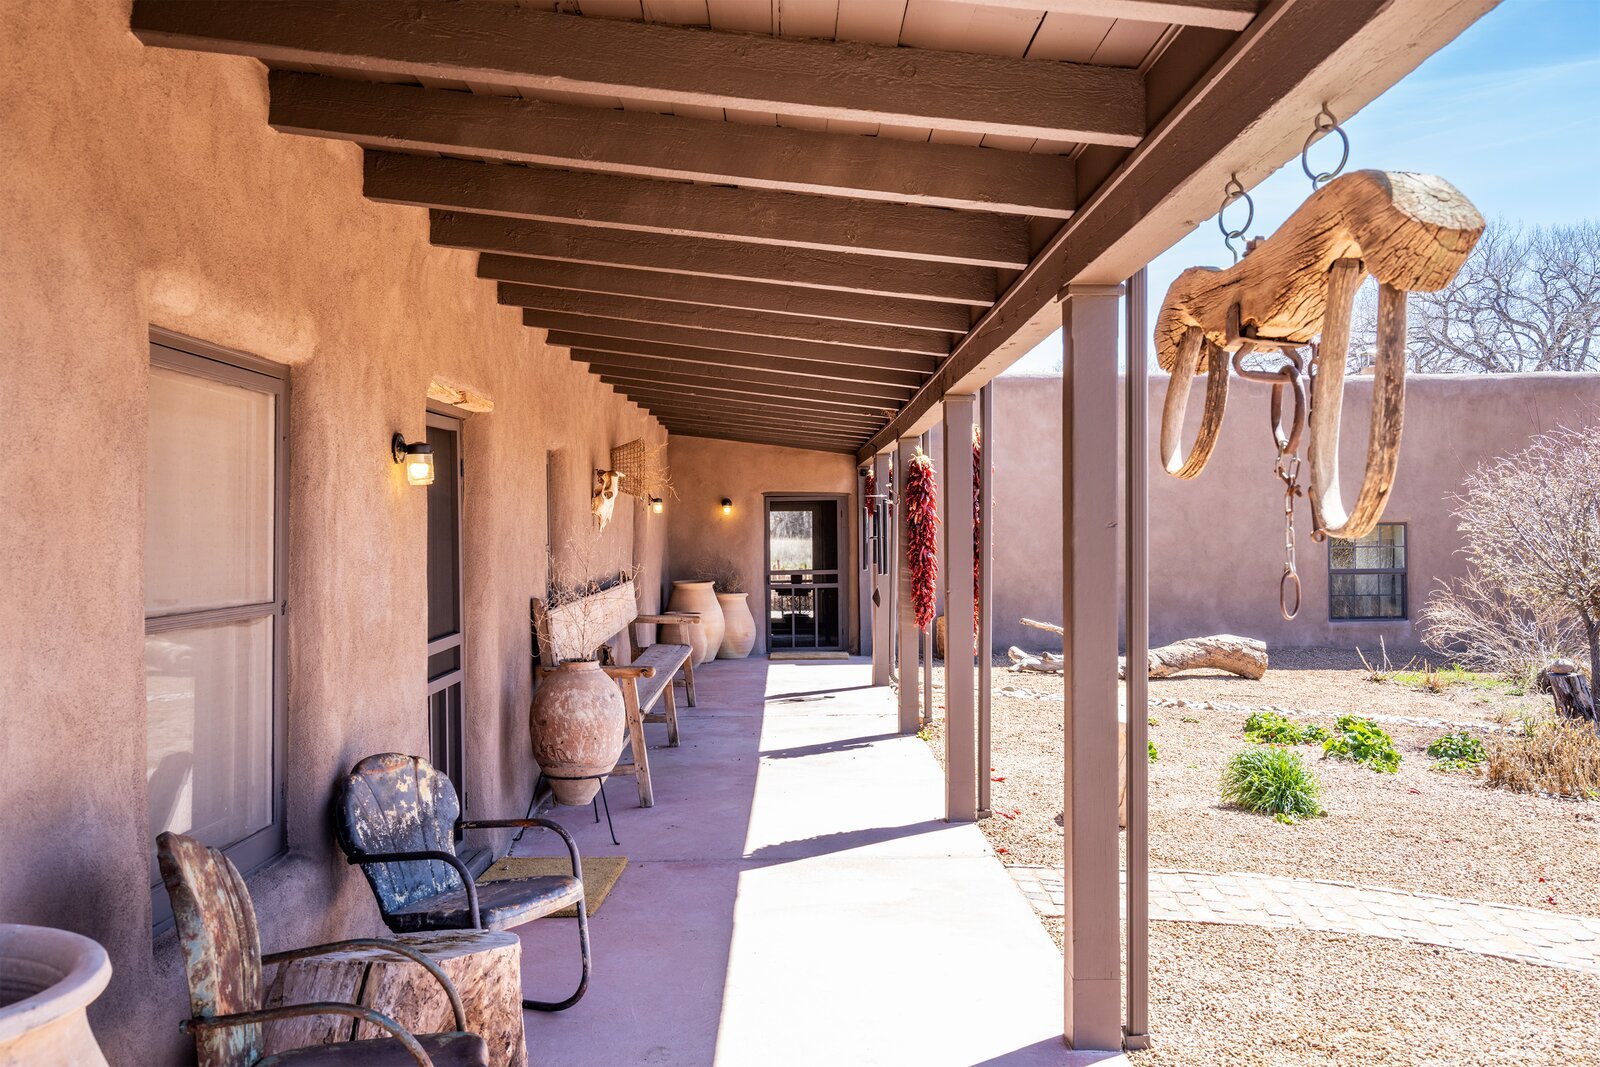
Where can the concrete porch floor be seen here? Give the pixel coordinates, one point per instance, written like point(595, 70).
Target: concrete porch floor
point(795, 897)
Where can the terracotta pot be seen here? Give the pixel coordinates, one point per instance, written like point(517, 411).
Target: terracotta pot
point(700, 598)
point(739, 629)
point(48, 978)
point(576, 725)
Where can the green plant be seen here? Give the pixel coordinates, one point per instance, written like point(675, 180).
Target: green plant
point(1154, 754)
point(1270, 728)
point(1456, 751)
point(1362, 741)
point(1187, 718)
point(1153, 721)
point(1556, 757)
point(1272, 780)
point(925, 734)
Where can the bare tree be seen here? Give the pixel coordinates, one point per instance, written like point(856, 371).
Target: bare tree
point(1526, 300)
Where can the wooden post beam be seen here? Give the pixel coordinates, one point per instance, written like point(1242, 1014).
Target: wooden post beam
point(908, 630)
point(882, 575)
point(504, 44)
point(960, 712)
point(862, 394)
point(730, 435)
point(701, 257)
point(648, 145)
point(777, 414)
point(811, 401)
point(712, 357)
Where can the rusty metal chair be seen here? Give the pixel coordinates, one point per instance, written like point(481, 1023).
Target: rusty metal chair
point(397, 820)
point(216, 925)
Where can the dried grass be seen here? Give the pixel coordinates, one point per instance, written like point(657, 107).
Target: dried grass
point(1553, 757)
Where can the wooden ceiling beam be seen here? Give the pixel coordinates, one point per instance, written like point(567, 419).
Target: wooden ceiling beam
point(647, 145)
point(715, 434)
point(505, 44)
point(700, 257)
point(741, 361)
point(798, 416)
point(812, 399)
point(750, 216)
point(859, 394)
point(732, 320)
point(753, 422)
point(1212, 14)
point(726, 341)
point(754, 433)
point(719, 292)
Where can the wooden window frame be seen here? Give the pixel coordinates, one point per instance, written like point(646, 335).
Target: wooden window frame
point(188, 355)
point(1403, 572)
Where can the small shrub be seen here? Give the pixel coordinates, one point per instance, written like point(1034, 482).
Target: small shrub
point(1274, 781)
point(1362, 741)
point(1456, 751)
point(1154, 754)
point(1153, 721)
point(1561, 758)
point(1270, 728)
point(1187, 718)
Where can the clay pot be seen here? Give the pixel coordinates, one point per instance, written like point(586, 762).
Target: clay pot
point(48, 978)
point(576, 725)
point(739, 629)
point(700, 598)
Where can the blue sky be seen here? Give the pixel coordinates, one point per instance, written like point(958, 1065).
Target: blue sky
point(1509, 112)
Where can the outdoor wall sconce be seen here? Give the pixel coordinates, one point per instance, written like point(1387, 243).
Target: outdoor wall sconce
point(417, 456)
point(727, 506)
point(657, 505)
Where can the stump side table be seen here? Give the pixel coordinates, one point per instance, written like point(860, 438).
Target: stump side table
point(485, 965)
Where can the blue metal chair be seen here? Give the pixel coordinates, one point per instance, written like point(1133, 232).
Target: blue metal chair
point(397, 820)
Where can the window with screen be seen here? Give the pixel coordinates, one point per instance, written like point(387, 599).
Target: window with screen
point(213, 605)
point(1367, 576)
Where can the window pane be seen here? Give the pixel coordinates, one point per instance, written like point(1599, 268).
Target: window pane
point(791, 534)
point(1366, 596)
point(209, 498)
point(444, 574)
point(209, 694)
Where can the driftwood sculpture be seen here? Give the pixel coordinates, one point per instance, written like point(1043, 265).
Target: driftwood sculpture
point(1243, 656)
point(1409, 231)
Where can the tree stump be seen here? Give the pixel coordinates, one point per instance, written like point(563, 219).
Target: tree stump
point(1569, 689)
point(485, 965)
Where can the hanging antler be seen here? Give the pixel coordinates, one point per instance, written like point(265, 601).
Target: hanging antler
point(1410, 231)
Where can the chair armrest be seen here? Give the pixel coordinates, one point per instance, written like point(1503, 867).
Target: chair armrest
point(292, 1011)
point(362, 859)
point(502, 824)
point(688, 618)
point(414, 955)
point(630, 672)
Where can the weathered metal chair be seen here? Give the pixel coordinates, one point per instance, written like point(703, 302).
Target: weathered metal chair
point(216, 925)
point(397, 820)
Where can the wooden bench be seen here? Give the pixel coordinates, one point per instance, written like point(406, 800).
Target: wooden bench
point(646, 680)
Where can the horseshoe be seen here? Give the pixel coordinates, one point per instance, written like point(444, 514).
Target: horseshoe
point(1190, 350)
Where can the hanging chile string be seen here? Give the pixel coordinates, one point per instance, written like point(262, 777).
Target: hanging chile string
point(977, 528)
point(922, 535)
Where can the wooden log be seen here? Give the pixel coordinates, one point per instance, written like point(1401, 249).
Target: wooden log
point(1569, 689)
point(486, 967)
point(1243, 656)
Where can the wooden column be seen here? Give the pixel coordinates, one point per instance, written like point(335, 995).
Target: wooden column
point(960, 714)
point(928, 634)
point(907, 615)
point(865, 573)
point(1092, 950)
point(1136, 612)
point(882, 578)
point(985, 592)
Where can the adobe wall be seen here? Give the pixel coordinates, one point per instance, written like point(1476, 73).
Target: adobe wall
point(1216, 543)
point(143, 187)
point(704, 471)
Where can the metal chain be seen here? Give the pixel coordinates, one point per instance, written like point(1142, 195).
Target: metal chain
point(1232, 193)
point(1323, 124)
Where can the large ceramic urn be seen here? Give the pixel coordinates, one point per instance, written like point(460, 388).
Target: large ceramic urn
point(739, 626)
point(700, 598)
point(48, 978)
point(576, 726)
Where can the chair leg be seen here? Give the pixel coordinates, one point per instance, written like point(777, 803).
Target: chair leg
point(669, 705)
point(688, 680)
point(583, 982)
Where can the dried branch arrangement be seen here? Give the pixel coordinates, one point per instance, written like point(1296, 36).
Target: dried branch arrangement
point(577, 577)
point(720, 571)
point(922, 535)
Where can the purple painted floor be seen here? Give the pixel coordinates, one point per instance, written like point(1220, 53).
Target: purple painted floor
point(794, 897)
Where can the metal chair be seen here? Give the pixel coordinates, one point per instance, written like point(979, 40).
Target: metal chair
point(397, 820)
point(216, 925)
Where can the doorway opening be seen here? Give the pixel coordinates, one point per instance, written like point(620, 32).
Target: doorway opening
point(804, 575)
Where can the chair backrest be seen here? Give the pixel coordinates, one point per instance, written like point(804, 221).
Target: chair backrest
point(392, 802)
point(221, 945)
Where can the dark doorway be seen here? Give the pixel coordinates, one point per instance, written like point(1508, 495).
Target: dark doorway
point(446, 704)
point(804, 591)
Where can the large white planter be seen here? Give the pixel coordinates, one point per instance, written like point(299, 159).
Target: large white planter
point(700, 598)
point(48, 978)
point(575, 726)
point(739, 626)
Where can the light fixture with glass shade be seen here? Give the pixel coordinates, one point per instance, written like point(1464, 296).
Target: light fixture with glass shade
point(657, 505)
point(727, 506)
point(417, 457)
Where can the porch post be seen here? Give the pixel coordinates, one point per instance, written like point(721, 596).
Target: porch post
point(1136, 612)
point(865, 580)
point(960, 721)
point(1092, 949)
point(985, 591)
point(927, 635)
point(908, 614)
point(882, 576)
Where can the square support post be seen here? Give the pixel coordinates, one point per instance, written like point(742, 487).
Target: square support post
point(1136, 612)
point(882, 576)
point(1092, 950)
point(960, 714)
point(909, 671)
point(985, 591)
point(866, 579)
point(927, 635)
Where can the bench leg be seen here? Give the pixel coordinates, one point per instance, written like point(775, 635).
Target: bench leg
point(669, 705)
point(641, 754)
point(688, 680)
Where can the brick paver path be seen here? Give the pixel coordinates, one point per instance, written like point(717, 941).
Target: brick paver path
point(1548, 938)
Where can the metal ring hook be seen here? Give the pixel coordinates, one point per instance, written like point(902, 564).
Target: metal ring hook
point(1284, 585)
point(1232, 193)
point(1319, 127)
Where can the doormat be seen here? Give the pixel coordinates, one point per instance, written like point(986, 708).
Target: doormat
point(600, 873)
point(807, 655)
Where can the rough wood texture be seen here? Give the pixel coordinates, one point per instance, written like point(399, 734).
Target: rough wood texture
point(486, 967)
point(863, 394)
point(820, 400)
point(1215, 14)
point(700, 356)
point(513, 129)
point(606, 612)
point(1243, 656)
point(457, 396)
point(1569, 690)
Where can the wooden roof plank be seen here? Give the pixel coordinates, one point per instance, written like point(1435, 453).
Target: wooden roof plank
point(860, 394)
point(710, 357)
point(1215, 14)
point(538, 132)
point(714, 434)
point(813, 399)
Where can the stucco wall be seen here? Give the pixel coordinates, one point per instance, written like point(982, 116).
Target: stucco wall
point(1216, 543)
point(704, 471)
point(143, 186)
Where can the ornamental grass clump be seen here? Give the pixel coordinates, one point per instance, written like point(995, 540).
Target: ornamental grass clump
point(1362, 741)
point(1458, 751)
point(1273, 781)
point(1556, 757)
